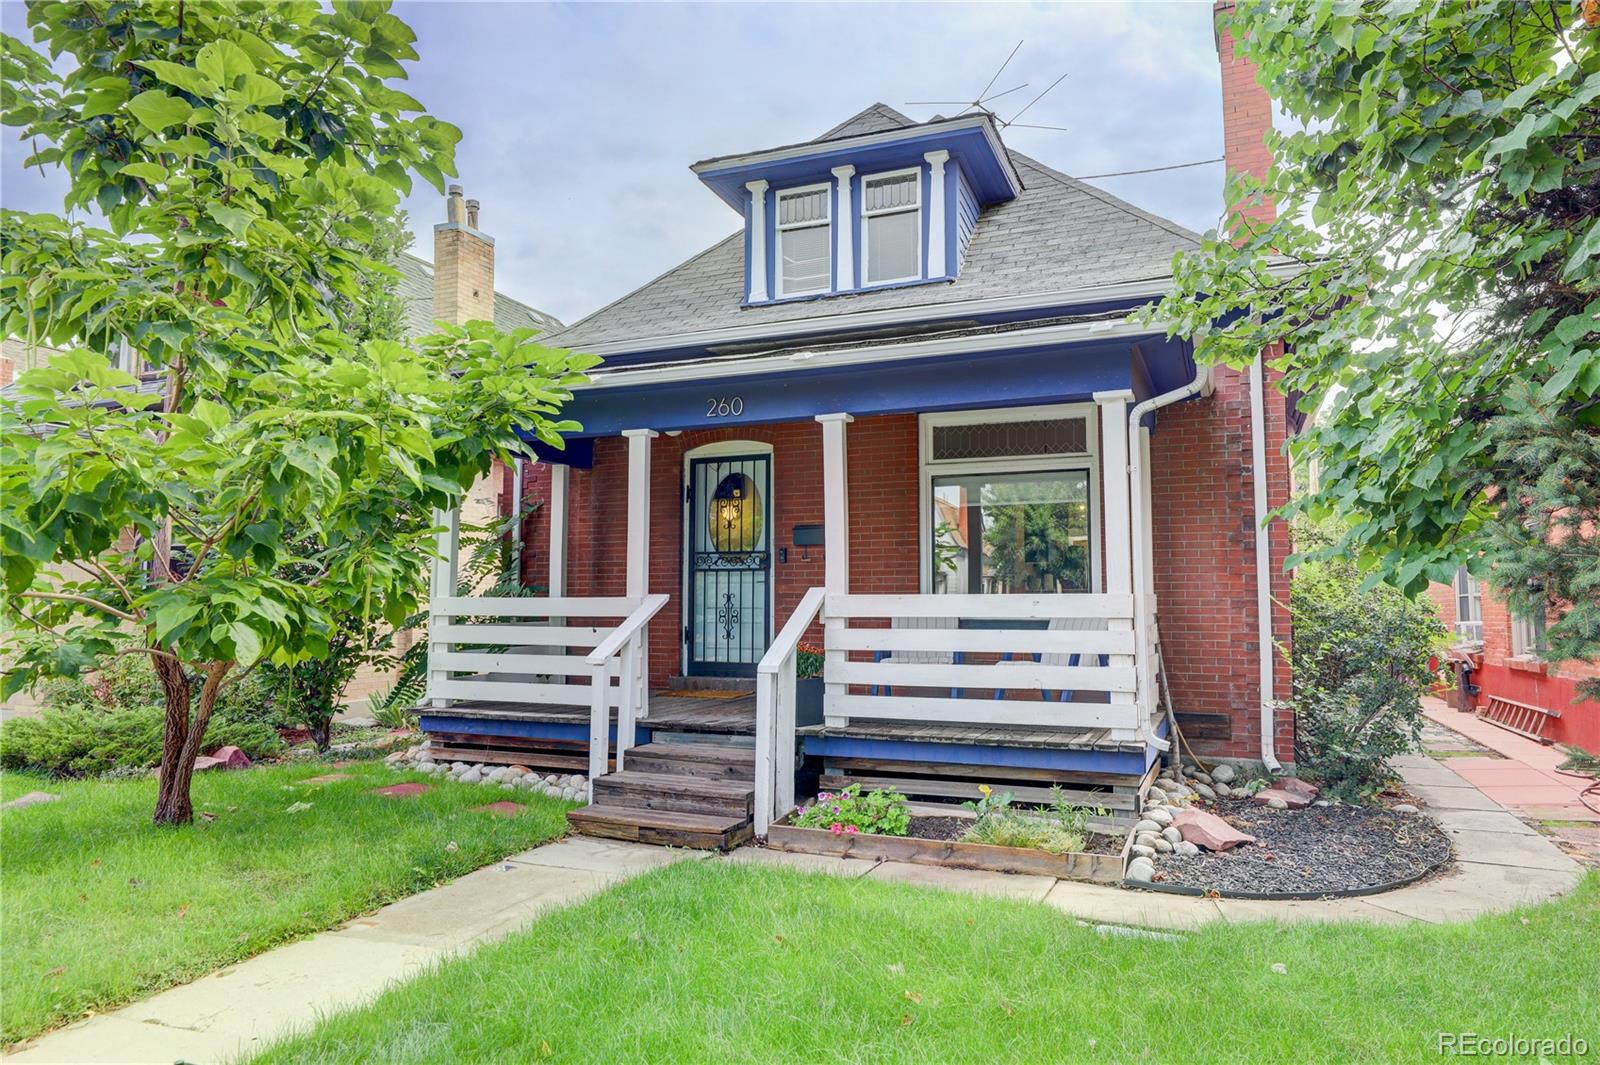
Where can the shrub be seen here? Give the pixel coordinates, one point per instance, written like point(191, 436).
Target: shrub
point(129, 682)
point(1360, 667)
point(883, 812)
point(76, 740)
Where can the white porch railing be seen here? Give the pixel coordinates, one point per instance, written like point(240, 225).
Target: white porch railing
point(627, 645)
point(535, 666)
point(775, 706)
point(993, 660)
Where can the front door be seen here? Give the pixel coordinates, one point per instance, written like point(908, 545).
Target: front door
point(729, 544)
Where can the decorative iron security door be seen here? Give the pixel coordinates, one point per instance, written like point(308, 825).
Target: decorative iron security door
point(730, 564)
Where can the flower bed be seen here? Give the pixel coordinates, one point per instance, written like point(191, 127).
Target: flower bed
point(902, 836)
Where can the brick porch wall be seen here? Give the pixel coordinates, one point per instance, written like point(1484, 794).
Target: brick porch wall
point(1204, 542)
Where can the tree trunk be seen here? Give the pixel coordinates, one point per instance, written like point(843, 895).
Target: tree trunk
point(180, 742)
point(322, 733)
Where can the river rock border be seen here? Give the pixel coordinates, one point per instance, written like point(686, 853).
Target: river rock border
point(1154, 835)
point(572, 787)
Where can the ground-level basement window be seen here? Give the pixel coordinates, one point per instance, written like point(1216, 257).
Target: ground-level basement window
point(1010, 501)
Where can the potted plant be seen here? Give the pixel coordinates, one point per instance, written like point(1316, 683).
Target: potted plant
point(808, 685)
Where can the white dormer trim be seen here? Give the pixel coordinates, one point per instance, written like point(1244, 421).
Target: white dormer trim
point(844, 257)
point(938, 254)
point(758, 241)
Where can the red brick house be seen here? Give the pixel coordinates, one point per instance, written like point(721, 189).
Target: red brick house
point(1506, 655)
point(902, 414)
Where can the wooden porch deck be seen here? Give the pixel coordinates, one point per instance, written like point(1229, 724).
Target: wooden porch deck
point(734, 714)
point(670, 711)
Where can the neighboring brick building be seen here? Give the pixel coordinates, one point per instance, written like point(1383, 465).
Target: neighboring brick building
point(1506, 653)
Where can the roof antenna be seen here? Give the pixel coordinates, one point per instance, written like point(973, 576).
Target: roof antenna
point(980, 102)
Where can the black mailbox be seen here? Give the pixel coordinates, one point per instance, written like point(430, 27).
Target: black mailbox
point(808, 535)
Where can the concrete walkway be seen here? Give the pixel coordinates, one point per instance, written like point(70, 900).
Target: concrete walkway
point(239, 1010)
point(1501, 863)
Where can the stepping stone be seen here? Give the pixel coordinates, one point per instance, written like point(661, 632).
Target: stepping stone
point(502, 809)
point(402, 791)
point(33, 798)
point(326, 778)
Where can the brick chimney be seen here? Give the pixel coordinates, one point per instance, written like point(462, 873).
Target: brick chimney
point(1246, 116)
point(463, 264)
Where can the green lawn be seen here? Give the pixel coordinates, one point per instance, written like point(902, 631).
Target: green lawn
point(100, 907)
point(711, 961)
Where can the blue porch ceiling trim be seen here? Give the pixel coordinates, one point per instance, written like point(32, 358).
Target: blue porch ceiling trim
point(1024, 377)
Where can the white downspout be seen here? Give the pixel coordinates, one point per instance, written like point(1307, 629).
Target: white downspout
point(1136, 474)
point(1258, 480)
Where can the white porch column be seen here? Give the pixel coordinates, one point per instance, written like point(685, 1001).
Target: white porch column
point(844, 220)
point(558, 531)
point(638, 584)
point(1117, 507)
point(758, 241)
point(441, 586)
point(835, 544)
point(638, 555)
point(938, 254)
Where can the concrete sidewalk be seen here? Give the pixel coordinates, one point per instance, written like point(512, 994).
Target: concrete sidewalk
point(233, 1013)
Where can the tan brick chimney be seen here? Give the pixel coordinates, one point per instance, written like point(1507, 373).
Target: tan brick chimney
point(463, 264)
point(1246, 116)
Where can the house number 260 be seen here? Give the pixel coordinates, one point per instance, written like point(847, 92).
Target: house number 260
point(724, 406)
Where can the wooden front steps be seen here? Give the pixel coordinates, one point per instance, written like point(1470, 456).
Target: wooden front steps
point(696, 795)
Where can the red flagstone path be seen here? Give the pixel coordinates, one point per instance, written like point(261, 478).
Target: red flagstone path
point(1524, 778)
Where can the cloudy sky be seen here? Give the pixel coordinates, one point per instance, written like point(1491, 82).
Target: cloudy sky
point(580, 121)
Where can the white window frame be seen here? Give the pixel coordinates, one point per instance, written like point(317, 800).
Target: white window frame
point(866, 227)
point(779, 229)
point(1525, 637)
point(1465, 586)
point(928, 468)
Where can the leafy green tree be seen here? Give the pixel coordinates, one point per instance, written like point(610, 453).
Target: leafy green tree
point(238, 153)
point(1434, 275)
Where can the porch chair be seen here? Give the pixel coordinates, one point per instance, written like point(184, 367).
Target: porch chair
point(1055, 658)
point(921, 658)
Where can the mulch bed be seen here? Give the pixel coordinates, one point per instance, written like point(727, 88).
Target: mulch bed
point(1320, 848)
point(939, 827)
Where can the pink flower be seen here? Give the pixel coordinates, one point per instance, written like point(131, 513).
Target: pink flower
point(836, 828)
point(850, 830)
point(836, 809)
point(824, 797)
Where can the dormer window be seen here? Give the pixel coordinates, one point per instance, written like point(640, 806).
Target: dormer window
point(891, 226)
point(805, 242)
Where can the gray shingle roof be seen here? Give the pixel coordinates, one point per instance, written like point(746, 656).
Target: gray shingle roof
point(1059, 234)
point(416, 290)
